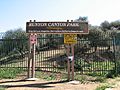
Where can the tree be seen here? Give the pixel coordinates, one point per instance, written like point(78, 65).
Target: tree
point(14, 41)
point(82, 19)
point(115, 25)
point(15, 34)
point(105, 26)
point(53, 40)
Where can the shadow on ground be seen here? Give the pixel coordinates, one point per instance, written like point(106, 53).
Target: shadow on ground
point(34, 85)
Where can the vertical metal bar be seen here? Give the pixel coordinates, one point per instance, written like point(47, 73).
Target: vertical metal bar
point(114, 54)
point(41, 53)
point(44, 55)
point(47, 53)
point(33, 61)
point(72, 47)
point(68, 62)
point(11, 44)
point(29, 58)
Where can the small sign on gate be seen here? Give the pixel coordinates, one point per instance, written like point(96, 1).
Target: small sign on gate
point(70, 38)
point(33, 39)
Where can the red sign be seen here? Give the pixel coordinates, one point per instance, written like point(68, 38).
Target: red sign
point(33, 38)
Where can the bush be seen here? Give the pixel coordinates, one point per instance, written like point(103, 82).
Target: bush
point(9, 73)
point(81, 78)
point(103, 87)
point(2, 88)
point(115, 72)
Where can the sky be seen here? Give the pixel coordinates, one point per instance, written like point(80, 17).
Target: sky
point(15, 13)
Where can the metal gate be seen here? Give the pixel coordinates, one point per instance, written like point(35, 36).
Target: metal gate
point(51, 57)
point(92, 56)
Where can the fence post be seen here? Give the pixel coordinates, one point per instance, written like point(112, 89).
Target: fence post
point(29, 58)
point(72, 47)
point(68, 62)
point(33, 61)
point(114, 48)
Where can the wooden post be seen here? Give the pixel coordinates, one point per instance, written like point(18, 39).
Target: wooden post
point(72, 47)
point(68, 62)
point(29, 59)
point(33, 61)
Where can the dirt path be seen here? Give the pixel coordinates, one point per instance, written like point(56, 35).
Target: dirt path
point(45, 85)
point(17, 84)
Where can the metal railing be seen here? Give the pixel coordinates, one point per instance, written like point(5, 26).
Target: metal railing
point(92, 56)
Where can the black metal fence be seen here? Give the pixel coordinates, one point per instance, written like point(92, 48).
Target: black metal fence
point(93, 56)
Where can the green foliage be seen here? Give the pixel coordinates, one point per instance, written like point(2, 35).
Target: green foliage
point(50, 77)
point(14, 40)
point(49, 41)
point(102, 66)
point(53, 41)
point(103, 87)
point(79, 65)
point(82, 19)
point(2, 88)
point(115, 72)
point(86, 78)
point(94, 67)
point(116, 24)
point(15, 34)
point(117, 40)
point(117, 67)
point(100, 79)
point(98, 74)
point(47, 76)
point(9, 73)
point(81, 78)
point(98, 35)
point(111, 74)
point(105, 26)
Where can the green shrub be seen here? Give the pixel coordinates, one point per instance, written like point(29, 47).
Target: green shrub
point(2, 88)
point(111, 74)
point(50, 77)
point(100, 79)
point(46, 75)
point(115, 72)
point(117, 69)
point(103, 87)
point(82, 78)
point(9, 73)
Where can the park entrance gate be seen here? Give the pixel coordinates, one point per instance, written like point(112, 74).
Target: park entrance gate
point(97, 53)
point(70, 30)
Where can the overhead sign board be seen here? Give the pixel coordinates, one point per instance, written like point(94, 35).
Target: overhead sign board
point(57, 27)
point(70, 38)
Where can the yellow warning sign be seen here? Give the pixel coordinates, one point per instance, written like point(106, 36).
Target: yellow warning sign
point(70, 38)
